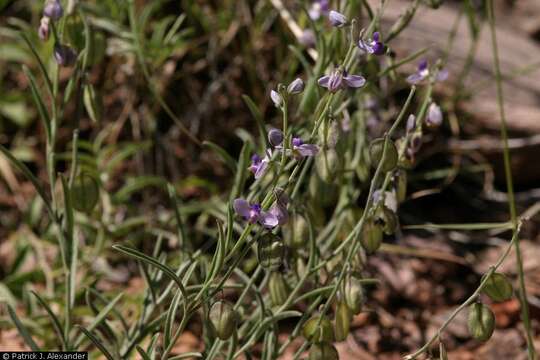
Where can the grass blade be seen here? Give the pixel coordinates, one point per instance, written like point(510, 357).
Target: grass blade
point(23, 331)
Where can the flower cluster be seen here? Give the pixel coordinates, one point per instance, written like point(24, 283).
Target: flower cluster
point(53, 11)
point(253, 213)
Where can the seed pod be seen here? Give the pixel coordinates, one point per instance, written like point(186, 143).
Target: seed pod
point(388, 219)
point(376, 149)
point(278, 288)
point(372, 235)
point(85, 192)
point(353, 293)
point(326, 193)
point(223, 318)
point(315, 332)
point(327, 164)
point(481, 322)
point(498, 287)
point(270, 251)
point(400, 183)
point(297, 233)
point(323, 351)
point(343, 317)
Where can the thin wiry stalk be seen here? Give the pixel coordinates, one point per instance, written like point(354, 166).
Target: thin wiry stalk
point(509, 185)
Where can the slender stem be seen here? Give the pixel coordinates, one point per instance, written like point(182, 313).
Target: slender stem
point(469, 301)
point(509, 185)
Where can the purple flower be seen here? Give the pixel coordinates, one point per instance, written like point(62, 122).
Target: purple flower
point(296, 87)
point(253, 213)
point(308, 38)
point(423, 72)
point(276, 98)
point(318, 8)
point(411, 123)
point(64, 55)
point(275, 137)
point(301, 150)
point(337, 19)
point(340, 79)
point(53, 10)
point(258, 165)
point(372, 46)
point(43, 31)
point(434, 117)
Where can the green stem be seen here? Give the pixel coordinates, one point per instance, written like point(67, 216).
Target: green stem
point(509, 186)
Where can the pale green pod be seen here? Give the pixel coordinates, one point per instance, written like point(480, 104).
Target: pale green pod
point(481, 321)
point(223, 318)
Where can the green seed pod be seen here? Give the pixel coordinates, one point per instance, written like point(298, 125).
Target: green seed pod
point(278, 288)
point(388, 218)
point(326, 193)
point(481, 322)
point(376, 149)
point(223, 318)
point(315, 332)
point(343, 317)
point(84, 192)
point(297, 232)
point(498, 287)
point(327, 164)
point(323, 351)
point(353, 293)
point(372, 235)
point(400, 183)
point(270, 251)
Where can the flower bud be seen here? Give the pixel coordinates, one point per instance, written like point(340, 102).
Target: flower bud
point(498, 287)
point(270, 251)
point(411, 123)
point(223, 318)
point(376, 149)
point(323, 351)
point(44, 28)
point(481, 321)
point(343, 317)
point(53, 10)
point(353, 293)
point(372, 235)
point(278, 288)
point(434, 117)
point(275, 137)
point(276, 98)
point(337, 19)
point(443, 355)
point(296, 87)
point(84, 193)
point(64, 55)
point(315, 332)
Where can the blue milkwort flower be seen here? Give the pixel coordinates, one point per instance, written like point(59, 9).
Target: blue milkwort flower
point(337, 19)
point(301, 150)
point(44, 27)
point(340, 79)
point(423, 72)
point(318, 8)
point(64, 55)
point(259, 165)
point(53, 10)
point(296, 87)
point(275, 137)
point(308, 38)
point(253, 213)
point(276, 97)
point(372, 46)
point(434, 117)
